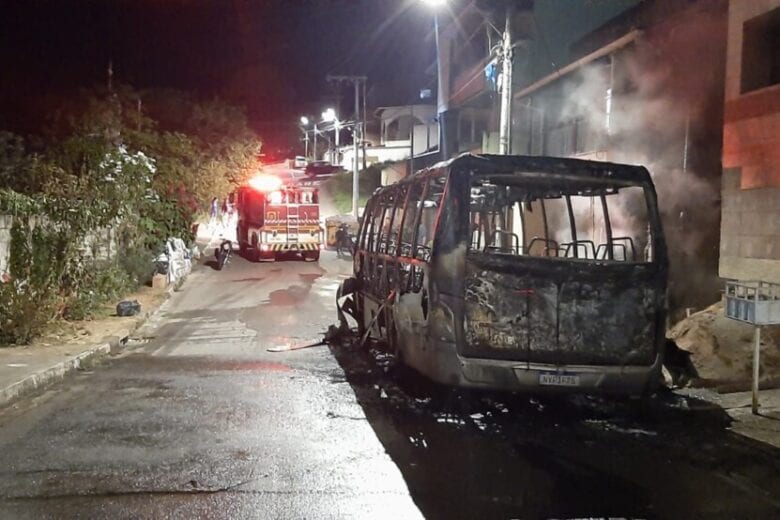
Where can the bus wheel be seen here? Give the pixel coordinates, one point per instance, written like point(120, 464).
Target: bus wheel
point(311, 256)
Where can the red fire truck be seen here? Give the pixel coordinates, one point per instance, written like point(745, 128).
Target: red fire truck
point(274, 219)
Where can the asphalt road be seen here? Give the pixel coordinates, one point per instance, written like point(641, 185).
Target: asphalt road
point(202, 421)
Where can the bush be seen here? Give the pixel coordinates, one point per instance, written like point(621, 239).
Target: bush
point(137, 264)
point(24, 313)
point(101, 283)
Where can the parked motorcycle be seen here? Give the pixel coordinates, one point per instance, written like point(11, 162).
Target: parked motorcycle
point(344, 240)
point(222, 253)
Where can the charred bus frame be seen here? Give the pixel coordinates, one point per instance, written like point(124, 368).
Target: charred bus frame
point(517, 273)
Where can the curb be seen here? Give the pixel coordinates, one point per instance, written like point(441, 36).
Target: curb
point(51, 375)
point(58, 372)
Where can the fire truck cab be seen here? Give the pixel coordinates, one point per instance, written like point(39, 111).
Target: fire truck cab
point(274, 219)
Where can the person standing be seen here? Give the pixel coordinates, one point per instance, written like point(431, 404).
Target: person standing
point(213, 214)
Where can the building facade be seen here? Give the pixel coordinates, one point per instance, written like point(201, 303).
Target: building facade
point(750, 222)
point(646, 88)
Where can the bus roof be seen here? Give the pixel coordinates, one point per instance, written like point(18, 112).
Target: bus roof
point(489, 165)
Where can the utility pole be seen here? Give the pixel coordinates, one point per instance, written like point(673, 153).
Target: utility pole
point(506, 51)
point(314, 151)
point(356, 134)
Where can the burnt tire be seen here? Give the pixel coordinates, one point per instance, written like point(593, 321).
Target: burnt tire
point(311, 256)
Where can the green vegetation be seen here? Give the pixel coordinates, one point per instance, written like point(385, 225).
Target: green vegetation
point(339, 187)
point(141, 164)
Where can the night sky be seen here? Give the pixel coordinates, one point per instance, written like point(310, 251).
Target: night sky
point(271, 56)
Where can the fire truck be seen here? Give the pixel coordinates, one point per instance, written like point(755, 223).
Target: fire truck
point(276, 219)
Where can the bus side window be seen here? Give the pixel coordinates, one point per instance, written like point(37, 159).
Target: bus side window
point(393, 238)
point(410, 221)
point(376, 226)
point(362, 241)
point(384, 229)
point(427, 220)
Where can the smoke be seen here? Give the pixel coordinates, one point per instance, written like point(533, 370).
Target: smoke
point(659, 104)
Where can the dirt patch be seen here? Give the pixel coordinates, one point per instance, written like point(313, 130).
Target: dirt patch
point(722, 349)
point(104, 324)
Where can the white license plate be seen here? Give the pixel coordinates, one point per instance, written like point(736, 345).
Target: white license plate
point(553, 379)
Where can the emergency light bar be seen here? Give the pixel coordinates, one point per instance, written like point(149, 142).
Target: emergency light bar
point(265, 183)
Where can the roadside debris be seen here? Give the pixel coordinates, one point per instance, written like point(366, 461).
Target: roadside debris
point(128, 308)
point(720, 349)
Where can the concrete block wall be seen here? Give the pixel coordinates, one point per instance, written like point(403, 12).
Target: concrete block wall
point(750, 230)
point(750, 208)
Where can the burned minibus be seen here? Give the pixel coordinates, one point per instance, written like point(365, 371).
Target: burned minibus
point(517, 273)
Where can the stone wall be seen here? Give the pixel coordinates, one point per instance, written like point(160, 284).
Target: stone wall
point(5, 241)
point(100, 244)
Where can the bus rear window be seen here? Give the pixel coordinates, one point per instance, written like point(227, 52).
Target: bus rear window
point(597, 222)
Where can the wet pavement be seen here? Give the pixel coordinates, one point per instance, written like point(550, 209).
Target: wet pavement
point(200, 420)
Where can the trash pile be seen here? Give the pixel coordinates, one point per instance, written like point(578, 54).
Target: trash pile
point(174, 264)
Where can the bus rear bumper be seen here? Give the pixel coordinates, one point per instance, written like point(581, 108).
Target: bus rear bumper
point(494, 374)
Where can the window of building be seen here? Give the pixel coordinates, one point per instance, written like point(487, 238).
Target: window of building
point(760, 55)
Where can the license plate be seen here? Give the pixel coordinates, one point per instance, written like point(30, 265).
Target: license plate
point(553, 379)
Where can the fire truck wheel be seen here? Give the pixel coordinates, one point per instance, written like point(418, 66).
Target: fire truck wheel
point(311, 256)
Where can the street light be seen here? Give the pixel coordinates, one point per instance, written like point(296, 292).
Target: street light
point(329, 116)
point(304, 124)
point(504, 51)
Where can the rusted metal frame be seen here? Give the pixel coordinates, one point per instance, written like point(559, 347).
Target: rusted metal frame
point(573, 225)
point(444, 194)
point(546, 229)
point(509, 221)
point(394, 190)
point(403, 218)
point(399, 239)
point(608, 226)
point(375, 281)
point(522, 225)
point(364, 228)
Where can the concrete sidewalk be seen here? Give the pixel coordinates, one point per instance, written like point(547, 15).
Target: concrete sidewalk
point(764, 427)
point(25, 369)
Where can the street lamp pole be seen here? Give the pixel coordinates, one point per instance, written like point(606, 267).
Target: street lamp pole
point(314, 151)
point(304, 124)
point(505, 117)
point(356, 133)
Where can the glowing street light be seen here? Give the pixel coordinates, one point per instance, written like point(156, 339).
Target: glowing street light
point(304, 124)
point(435, 3)
point(329, 116)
